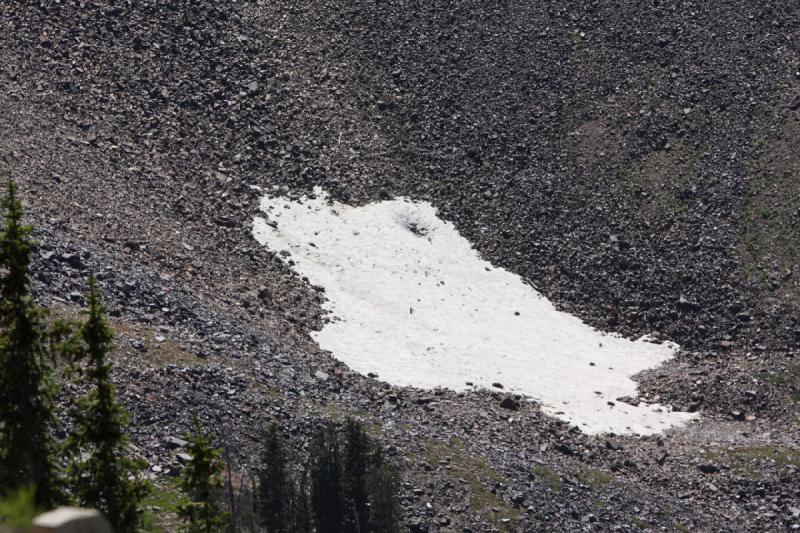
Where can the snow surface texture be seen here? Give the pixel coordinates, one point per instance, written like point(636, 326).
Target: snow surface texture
point(413, 302)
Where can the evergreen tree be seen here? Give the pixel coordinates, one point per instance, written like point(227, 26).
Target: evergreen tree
point(384, 510)
point(370, 484)
point(326, 482)
point(103, 476)
point(201, 481)
point(275, 485)
point(357, 455)
point(301, 507)
point(353, 490)
point(26, 384)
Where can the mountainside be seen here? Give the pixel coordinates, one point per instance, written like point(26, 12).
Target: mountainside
point(636, 162)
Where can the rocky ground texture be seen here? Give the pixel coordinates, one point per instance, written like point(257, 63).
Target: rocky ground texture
point(637, 162)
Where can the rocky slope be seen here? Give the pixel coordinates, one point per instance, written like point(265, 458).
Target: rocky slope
point(636, 162)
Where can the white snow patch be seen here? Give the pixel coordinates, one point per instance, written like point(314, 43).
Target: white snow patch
point(413, 302)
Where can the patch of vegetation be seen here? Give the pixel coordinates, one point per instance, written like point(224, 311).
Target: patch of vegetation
point(681, 527)
point(161, 508)
point(785, 379)
point(352, 485)
point(779, 456)
point(593, 478)
point(270, 391)
point(770, 241)
point(19, 509)
point(643, 525)
point(663, 178)
point(600, 504)
point(551, 479)
point(475, 472)
point(201, 481)
point(336, 413)
point(157, 353)
point(751, 461)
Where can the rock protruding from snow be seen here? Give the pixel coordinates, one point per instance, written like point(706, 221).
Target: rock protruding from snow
point(412, 301)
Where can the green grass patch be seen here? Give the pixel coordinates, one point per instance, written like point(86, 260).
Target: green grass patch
point(550, 479)
point(271, 392)
point(18, 510)
point(600, 504)
point(594, 478)
point(753, 460)
point(779, 456)
point(785, 379)
point(475, 472)
point(161, 508)
point(643, 525)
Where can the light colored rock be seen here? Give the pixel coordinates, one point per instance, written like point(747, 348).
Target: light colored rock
point(71, 520)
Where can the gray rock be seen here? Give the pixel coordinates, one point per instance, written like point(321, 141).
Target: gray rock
point(509, 403)
point(73, 260)
point(71, 520)
point(175, 442)
point(708, 468)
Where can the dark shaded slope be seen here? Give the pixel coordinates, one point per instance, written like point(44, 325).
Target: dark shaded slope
point(600, 150)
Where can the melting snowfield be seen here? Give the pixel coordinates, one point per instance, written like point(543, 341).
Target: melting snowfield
point(411, 301)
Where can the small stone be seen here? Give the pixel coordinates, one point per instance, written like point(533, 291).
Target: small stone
point(138, 345)
point(264, 294)
point(320, 375)
point(687, 305)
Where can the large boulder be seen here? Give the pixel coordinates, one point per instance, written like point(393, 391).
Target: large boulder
point(71, 520)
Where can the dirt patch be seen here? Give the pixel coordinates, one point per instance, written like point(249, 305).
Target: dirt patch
point(150, 345)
